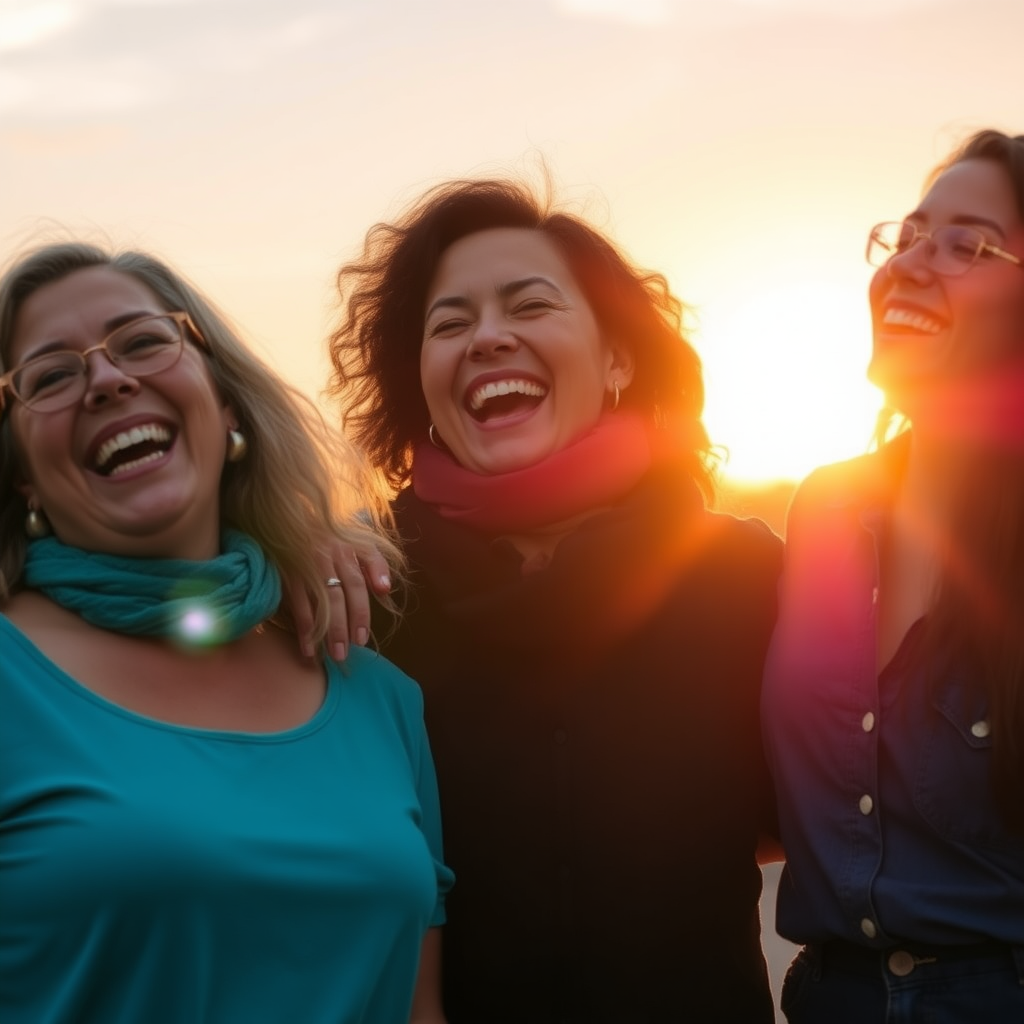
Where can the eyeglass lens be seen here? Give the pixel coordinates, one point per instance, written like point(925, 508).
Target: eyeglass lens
point(140, 348)
point(949, 250)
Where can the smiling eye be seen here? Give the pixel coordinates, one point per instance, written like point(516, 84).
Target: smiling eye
point(961, 243)
point(47, 375)
point(144, 343)
point(446, 327)
point(533, 306)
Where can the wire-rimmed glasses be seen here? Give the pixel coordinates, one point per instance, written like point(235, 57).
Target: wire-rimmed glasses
point(54, 380)
point(950, 250)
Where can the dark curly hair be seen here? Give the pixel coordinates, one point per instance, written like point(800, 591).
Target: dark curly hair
point(375, 349)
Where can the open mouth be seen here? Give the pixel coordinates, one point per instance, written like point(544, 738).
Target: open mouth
point(133, 448)
point(910, 321)
point(501, 398)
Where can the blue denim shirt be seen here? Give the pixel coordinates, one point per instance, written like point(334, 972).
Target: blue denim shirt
point(885, 809)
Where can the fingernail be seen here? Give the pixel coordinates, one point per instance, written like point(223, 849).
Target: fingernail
point(362, 635)
point(385, 580)
point(340, 652)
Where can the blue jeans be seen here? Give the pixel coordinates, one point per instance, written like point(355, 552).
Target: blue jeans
point(839, 983)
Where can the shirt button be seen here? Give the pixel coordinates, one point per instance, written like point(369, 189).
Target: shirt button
point(560, 736)
point(980, 729)
point(866, 804)
point(867, 926)
point(901, 963)
point(867, 723)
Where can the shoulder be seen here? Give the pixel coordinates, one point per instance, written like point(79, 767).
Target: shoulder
point(369, 670)
point(750, 542)
point(851, 485)
point(839, 481)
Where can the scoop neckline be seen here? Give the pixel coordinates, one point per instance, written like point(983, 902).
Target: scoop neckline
point(319, 718)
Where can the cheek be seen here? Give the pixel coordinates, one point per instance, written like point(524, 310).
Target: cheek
point(435, 378)
point(877, 290)
point(26, 443)
point(990, 325)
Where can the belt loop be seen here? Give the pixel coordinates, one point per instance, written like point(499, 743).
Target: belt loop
point(1018, 960)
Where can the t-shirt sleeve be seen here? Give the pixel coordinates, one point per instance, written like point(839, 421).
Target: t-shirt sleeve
point(426, 785)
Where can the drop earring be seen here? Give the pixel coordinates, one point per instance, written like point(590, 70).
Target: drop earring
point(237, 446)
point(36, 524)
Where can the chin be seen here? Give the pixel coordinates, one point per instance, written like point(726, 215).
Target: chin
point(510, 458)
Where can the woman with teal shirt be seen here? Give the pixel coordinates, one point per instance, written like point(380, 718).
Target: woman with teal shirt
point(198, 825)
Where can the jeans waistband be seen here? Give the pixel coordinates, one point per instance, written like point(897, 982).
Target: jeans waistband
point(904, 958)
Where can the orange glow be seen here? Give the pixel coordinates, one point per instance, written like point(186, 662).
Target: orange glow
point(786, 389)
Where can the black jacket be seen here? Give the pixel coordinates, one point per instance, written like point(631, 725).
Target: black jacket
point(594, 727)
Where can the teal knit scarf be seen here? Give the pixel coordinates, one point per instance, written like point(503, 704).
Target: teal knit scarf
point(198, 604)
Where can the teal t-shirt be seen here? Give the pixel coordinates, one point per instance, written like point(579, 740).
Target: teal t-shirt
point(160, 874)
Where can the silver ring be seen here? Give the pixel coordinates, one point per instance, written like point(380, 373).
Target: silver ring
point(333, 582)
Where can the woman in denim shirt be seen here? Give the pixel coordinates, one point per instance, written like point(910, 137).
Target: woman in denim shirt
point(893, 705)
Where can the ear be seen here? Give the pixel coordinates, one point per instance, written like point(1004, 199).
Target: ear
point(622, 365)
point(20, 480)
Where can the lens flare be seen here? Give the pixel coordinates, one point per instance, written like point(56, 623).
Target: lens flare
point(198, 627)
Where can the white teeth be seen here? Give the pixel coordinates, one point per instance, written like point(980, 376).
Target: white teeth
point(128, 438)
point(909, 318)
point(125, 466)
point(493, 389)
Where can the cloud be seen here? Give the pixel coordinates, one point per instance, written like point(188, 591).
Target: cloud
point(80, 57)
point(24, 23)
point(724, 13)
point(844, 9)
point(636, 12)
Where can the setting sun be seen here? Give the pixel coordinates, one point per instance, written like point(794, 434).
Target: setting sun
point(786, 389)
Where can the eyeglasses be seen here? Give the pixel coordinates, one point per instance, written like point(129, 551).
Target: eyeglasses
point(55, 380)
point(951, 250)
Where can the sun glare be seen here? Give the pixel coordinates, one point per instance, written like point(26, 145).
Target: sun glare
point(785, 378)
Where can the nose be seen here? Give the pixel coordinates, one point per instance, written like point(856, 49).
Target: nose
point(105, 382)
point(913, 264)
point(491, 336)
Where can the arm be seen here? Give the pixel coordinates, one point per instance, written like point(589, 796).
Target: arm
point(426, 1000)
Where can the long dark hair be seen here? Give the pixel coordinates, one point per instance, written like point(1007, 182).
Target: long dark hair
point(978, 612)
point(375, 348)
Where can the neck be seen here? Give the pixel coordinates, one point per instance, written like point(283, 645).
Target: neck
point(933, 475)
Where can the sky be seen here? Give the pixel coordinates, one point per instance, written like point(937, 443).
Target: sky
point(743, 148)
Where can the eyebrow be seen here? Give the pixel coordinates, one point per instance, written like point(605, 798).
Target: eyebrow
point(109, 326)
point(503, 290)
point(964, 220)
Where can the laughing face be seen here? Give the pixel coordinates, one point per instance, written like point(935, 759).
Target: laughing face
point(513, 365)
point(932, 333)
point(134, 466)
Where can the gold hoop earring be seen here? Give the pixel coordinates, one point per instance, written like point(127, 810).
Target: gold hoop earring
point(432, 434)
point(36, 524)
point(615, 400)
point(237, 446)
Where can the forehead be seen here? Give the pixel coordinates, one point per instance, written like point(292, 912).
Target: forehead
point(971, 189)
point(499, 255)
point(77, 309)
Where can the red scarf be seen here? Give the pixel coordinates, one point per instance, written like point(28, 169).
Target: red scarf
point(597, 469)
